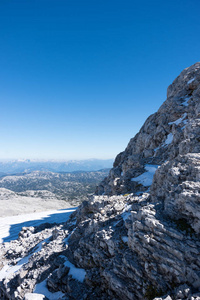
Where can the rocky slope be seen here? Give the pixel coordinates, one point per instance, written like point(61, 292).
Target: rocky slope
point(172, 131)
point(139, 237)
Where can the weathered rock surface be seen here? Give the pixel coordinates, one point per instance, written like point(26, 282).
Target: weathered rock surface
point(173, 130)
point(139, 237)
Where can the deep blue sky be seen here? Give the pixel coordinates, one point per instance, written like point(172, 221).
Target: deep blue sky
point(79, 78)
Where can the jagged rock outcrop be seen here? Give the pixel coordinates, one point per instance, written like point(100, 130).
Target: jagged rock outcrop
point(173, 130)
point(137, 239)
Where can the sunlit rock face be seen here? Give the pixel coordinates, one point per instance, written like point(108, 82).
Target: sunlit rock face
point(173, 130)
point(138, 238)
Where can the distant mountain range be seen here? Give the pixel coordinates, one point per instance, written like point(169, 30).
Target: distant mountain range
point(21, 166)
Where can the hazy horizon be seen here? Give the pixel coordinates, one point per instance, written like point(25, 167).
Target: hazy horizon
point(21, 166)
point(53, 160)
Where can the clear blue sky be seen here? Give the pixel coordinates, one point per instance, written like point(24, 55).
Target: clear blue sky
point(79, 78)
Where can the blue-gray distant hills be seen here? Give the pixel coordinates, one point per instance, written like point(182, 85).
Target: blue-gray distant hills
point(21, 166)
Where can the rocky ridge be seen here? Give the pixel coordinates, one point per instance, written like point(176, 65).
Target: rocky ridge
point(139, 237)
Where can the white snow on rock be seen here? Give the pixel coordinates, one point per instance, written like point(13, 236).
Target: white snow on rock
point(127, 207)
point(169, 139)
point(146, 178)
point(8, 270)
point(67, 238)
point(41, 288)
point(178, 121)
point(185, 103)
point(191, 80)
point(11, 226)
point(30, 296)
point(77, 273)
point(125, 239)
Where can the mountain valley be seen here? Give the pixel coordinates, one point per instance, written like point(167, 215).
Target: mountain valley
point(47, 190)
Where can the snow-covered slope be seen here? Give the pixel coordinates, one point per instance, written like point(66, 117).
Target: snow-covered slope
point(13, 204)
point(12, 225)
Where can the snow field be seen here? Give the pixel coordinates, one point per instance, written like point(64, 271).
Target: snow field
point(11, 226)
point(146, 178)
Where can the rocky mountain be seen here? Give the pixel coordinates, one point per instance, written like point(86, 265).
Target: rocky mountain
point(27, 165)
point(139, 237)
point(72, 187)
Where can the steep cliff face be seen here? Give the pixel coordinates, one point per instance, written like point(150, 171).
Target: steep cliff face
point(139, 238)
point(171, 131)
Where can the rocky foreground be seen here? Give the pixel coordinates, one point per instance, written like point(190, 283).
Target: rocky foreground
point(139, 237)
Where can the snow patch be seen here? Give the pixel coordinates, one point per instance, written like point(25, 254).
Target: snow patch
point(125, 239)
point(191, 80)
point(127, 207)
point(185, 103)
point(41, 288)
point(77, 273)
point(169, 139)
point(146, 178)
point(67, 238)
point(11, 226)
point(177, 122)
